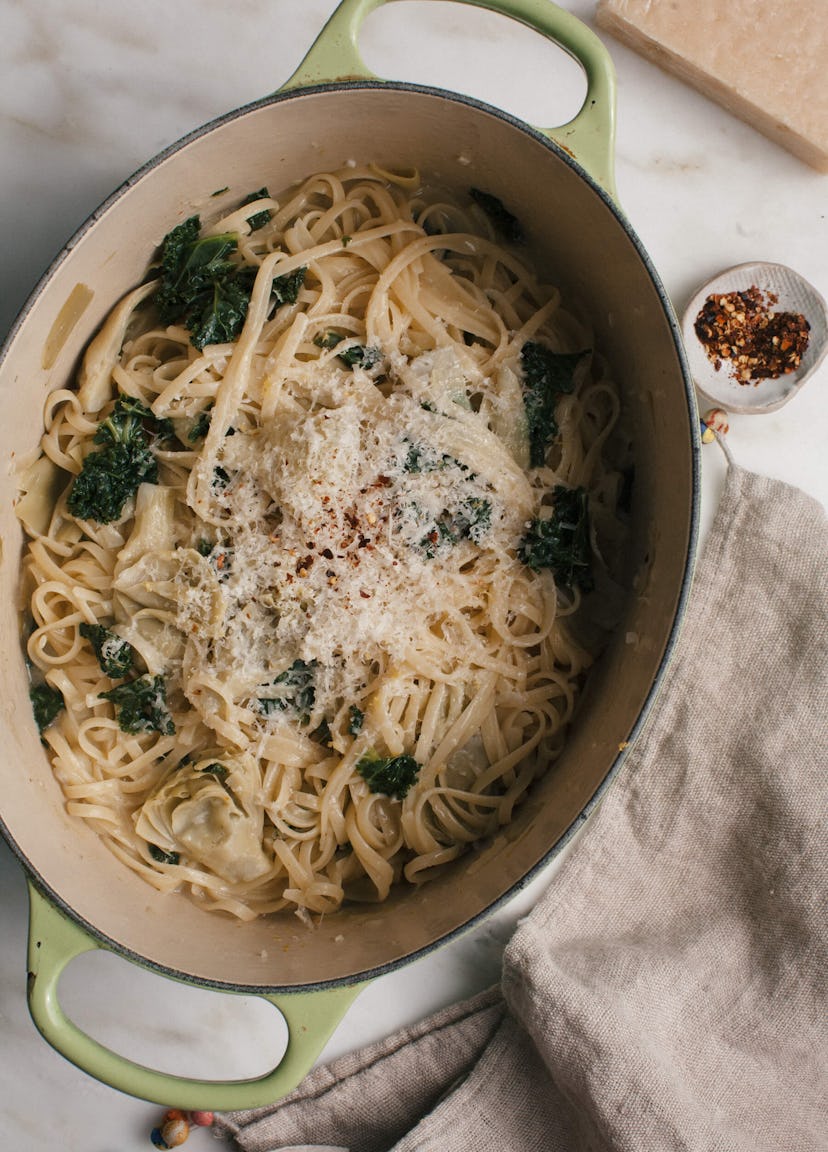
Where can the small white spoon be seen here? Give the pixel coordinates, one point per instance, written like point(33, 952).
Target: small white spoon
point(793, 294)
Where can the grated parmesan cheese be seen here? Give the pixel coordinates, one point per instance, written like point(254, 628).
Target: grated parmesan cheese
point(341, 526)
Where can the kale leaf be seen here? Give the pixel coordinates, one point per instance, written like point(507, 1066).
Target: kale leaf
point(502, 220)
point(218, 770)
point(294, 688)
point(162, 857)
point(547, 376)
point(201, 287)
point(258, 219)
point(471, 520)
point(561, 543)
point(114, 655)
point(47, 702)
point(201, 426)
point(131, 419)
point(388, 776)
point(360, 356)
point(328, 340)
point(141, 705)
point(218, 317)
point(108, 479)
point(285, 289)
point(356, 718)
point(221, 479)
point(357, 356)
point(422, 458)
point(322, 734)
point(190, 266)
point(113, 473)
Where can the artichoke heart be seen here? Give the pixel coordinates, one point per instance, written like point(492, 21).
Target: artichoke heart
point(179, 581)
point(211, 811)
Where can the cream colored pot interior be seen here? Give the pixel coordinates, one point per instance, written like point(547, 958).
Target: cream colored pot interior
point(584, 248)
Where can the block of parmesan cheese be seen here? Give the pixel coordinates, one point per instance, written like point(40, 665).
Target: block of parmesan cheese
point(765, 63)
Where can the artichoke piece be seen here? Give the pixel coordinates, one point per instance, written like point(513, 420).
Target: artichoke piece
point(209, 810)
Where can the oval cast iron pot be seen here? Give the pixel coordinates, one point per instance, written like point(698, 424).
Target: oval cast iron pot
point(331, 110)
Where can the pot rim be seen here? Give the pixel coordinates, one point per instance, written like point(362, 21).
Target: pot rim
point(45, 889)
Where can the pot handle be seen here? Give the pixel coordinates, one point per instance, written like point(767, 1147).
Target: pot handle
point(589, 136)
point(54, 940)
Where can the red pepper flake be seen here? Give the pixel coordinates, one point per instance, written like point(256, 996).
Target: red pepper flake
point(760, 344)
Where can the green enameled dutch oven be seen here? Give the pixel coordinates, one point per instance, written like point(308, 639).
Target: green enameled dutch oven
point(560, 183)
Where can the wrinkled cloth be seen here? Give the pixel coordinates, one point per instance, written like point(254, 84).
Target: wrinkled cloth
point(669, 990)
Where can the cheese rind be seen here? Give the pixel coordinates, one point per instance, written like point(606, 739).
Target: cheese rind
point(766, 64)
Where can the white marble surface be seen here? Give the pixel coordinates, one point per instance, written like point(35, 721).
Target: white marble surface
point(88, 92)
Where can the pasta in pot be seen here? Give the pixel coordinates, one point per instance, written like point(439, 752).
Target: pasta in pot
point(333, 495)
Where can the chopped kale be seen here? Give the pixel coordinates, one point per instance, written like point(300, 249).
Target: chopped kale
point(327, 340)
point(561, 543)
point(201, 426)
point(437, 537)
point(425, 459)
point(161, 856)
point(108, 479)
point(322, 734)
point(47, 702)
point(113, 473)
point(221, 478)
point(128, 420)
point(174, 251)
point(502, 220)
point(360, 356)
point(547, 376)
point(356, 718)
point(219, 556)
point(294, 688)
point(201, 287)
point(357, 356)
point(114, 655)
point(285, 289)
point(218, 770)
point(388, 776)
point(258, 219)
point(414, 459)
point(141, 705)
point(221, 316)
point(471, 520)
point(190, 266)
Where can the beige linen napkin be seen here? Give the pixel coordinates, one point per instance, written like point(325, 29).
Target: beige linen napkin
point(670, 990)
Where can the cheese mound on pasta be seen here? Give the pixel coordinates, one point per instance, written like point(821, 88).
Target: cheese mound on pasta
point(352, 663)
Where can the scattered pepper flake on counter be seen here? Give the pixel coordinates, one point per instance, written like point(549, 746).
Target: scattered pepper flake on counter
point(741, 327)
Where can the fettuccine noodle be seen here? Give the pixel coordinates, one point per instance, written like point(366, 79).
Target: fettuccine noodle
point(327, 573)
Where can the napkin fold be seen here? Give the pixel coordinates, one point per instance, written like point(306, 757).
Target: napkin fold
point(670, 989)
